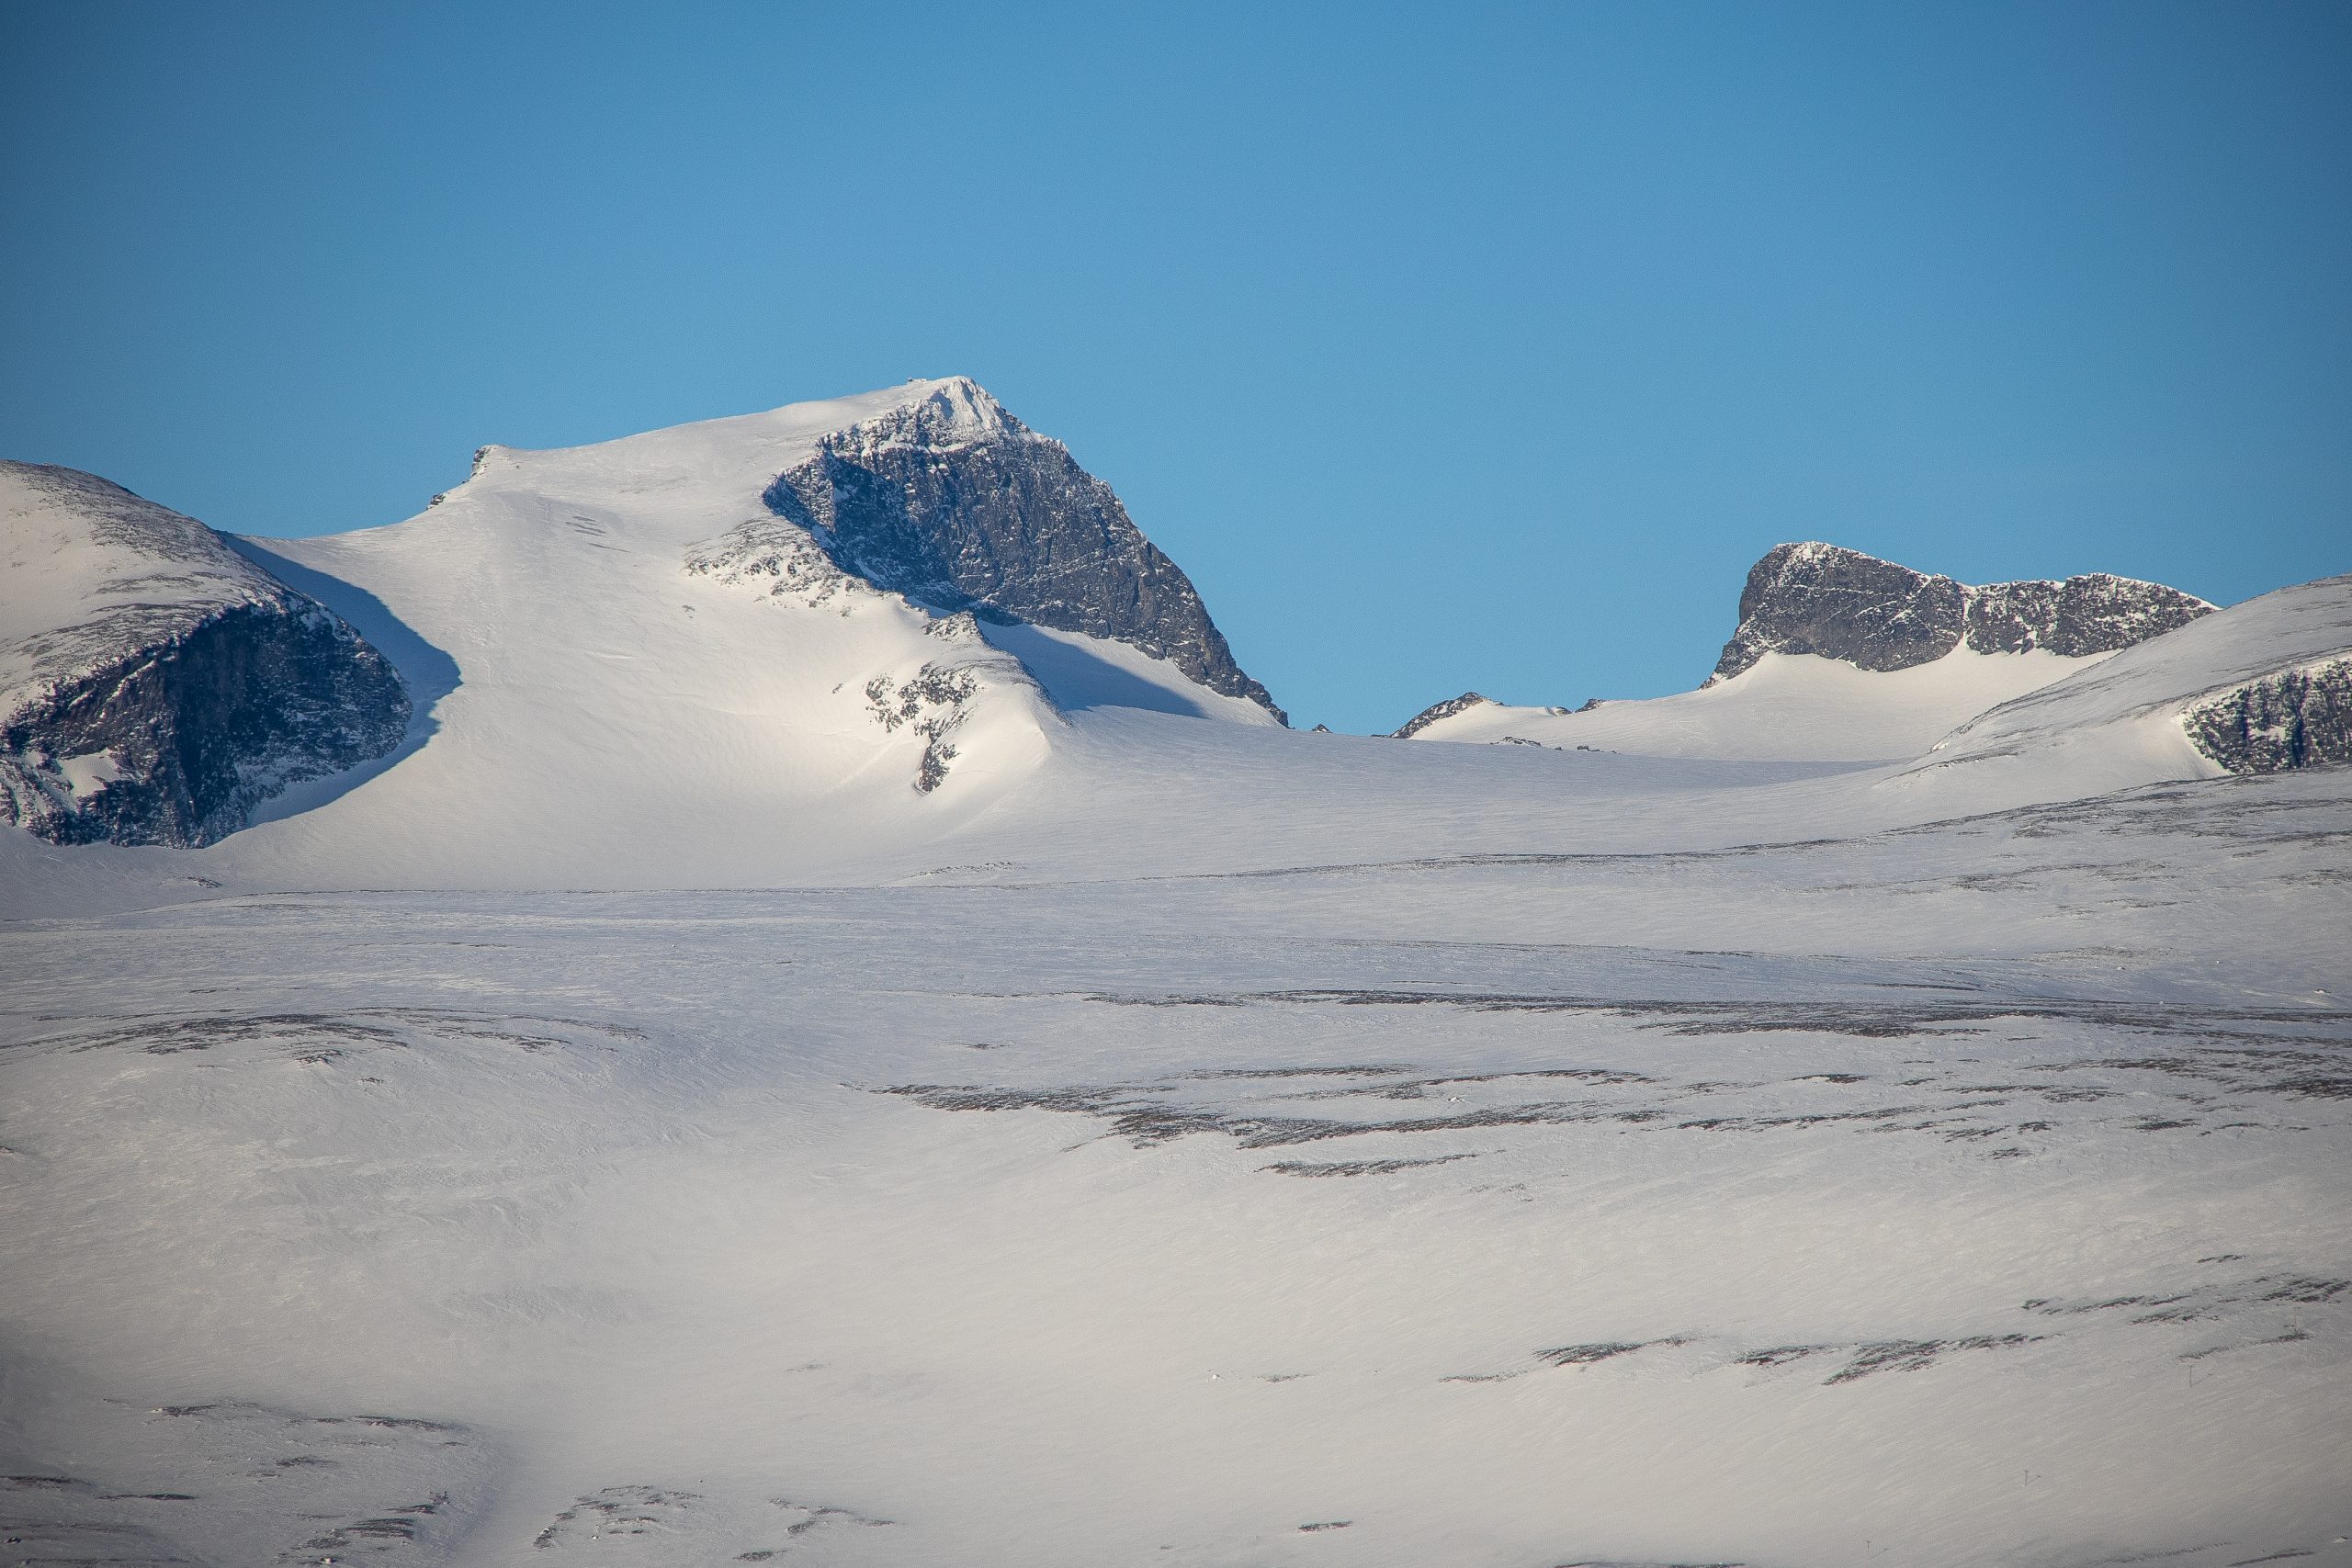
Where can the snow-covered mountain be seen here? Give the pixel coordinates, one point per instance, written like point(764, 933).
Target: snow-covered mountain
point(642, 632)
point(820, 1045)
point(154, 685)
point(1839, 656)
point(953, 503)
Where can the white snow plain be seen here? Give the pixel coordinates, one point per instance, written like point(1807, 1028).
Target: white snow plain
point(634, 1126)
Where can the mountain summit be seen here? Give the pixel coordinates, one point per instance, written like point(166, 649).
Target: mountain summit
point(953, 503)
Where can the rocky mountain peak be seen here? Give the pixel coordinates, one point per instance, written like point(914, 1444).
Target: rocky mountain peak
point(955, 503)
point(955, 412)
point(1839, 603)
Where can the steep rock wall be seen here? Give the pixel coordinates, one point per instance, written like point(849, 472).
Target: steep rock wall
point(957, 505)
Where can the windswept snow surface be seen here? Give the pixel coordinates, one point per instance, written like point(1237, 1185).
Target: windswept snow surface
point(1784, 705)
point(1972, 1194)
point(637, 1127)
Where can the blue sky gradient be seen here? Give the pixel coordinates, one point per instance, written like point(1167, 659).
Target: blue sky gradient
point(1445, 347)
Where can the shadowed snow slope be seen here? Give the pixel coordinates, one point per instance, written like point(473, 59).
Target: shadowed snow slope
point(1081, 671)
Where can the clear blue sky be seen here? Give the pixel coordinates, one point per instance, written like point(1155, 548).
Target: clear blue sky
point(1445, 346)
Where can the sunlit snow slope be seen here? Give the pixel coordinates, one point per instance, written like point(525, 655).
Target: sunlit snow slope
point(1784, 705)
point(590, 690)
point(2119, 723)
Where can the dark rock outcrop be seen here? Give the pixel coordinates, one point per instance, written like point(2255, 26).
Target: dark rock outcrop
point(1434, 712)
point(2296, 719)
point(957, 505)
point(933, 703)
point(158, 685)
point(1840, 604)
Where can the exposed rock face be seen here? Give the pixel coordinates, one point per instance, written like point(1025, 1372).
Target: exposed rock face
point(1840, 604)
point(777, 557)
point(957, 505)
point(1434, 712)
point(2296, 719)
point(156, 686)
point(932, 702)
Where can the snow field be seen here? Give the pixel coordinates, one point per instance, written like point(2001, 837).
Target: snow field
point(1717, 1255)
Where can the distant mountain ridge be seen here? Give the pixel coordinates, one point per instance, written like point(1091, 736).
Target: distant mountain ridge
point(955, 503)
point(771, 616)
point(1842, 656)
point(1840, 604)
point(1832, 603)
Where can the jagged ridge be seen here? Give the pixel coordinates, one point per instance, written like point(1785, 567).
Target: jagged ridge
point(1839, 603)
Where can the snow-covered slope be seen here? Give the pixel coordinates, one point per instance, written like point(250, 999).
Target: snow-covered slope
point(1795, 706)
point(2120, 722)
point(1967, 1197)
point(610, 679)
